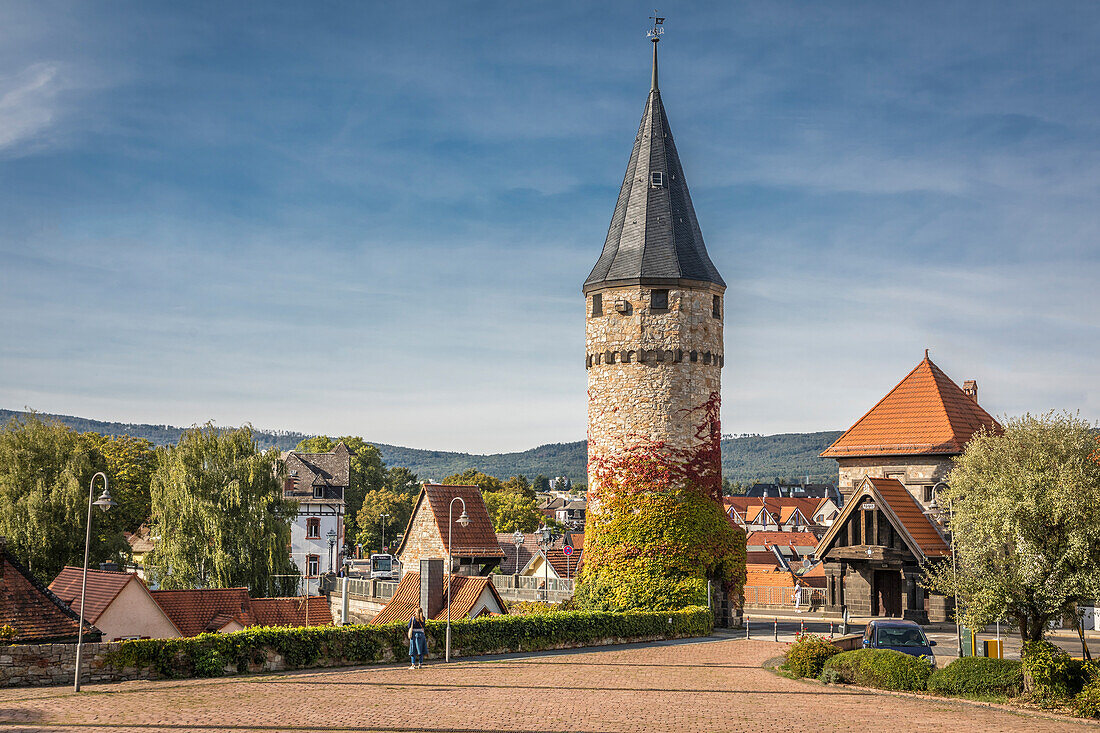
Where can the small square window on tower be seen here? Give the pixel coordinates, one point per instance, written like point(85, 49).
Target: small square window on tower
point(657, 179)
point(658, 300)
point(597, 305)
point(716, 307)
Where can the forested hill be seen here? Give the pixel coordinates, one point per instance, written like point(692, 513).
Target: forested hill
point(789, 456)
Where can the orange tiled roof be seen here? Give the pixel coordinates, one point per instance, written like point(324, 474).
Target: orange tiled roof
point(565, 567)
point(917, 523)
point(516, 558)
point(35, 612)
point(576, 539)
point(786, 539)
point(293, 611)
point(926, 413)
point(103, 587)
point(467, 590)
point(477, 539)
point(206, 609)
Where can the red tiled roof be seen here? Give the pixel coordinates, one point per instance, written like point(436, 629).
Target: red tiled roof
point(294, 611)
point(103, 587)
point(467, 590)
point(894, 499)
point(926, 413)
point(139, 541)
point(565, 567)
point(477, 539)
point(526, 551)
point(35, 612)
point(206, 609)
point(786, 539)
point(577, 540)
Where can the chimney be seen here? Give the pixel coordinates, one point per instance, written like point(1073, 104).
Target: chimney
point(970, 387)
point(431, 586)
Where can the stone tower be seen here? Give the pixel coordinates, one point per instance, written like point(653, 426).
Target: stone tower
point(653, 335)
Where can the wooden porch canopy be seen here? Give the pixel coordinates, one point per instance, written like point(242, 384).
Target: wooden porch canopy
point(859, 534)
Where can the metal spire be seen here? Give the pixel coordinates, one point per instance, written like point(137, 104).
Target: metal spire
point(655, 36)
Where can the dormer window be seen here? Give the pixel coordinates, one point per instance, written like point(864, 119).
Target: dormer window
point(318, 492)
point(656, 179)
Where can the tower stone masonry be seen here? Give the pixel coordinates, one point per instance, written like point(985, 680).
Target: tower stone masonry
point(654, 309)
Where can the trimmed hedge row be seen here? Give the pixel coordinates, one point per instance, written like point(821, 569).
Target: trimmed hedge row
point(257, 649)
point(884, 669)
point(970, 676)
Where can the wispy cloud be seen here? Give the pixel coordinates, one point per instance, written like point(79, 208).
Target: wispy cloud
point(28, 106)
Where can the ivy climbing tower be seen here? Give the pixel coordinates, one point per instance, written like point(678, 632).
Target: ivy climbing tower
point(656, 531)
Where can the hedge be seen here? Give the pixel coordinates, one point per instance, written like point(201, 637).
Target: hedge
point(884, 669)
point(807, 656)
point(979, 676)
point(255, 649)
point(1053, 674)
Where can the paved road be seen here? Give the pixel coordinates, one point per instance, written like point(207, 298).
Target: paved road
point(946, 643)
point(714, 684)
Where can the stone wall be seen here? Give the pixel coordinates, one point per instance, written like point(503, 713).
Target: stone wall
point(649, 371)
point(919, 472)
point(423, 540)
point(26, 665)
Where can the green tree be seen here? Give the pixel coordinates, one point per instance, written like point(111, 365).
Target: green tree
point(45, 470)
point(519, 486)
point(473, 477)
point(541, 483)
point(397, 504)
point(402, 481)
point(1025, 513)
point(368, 473)
point(219, 512)
point(511, 511)
point(129, 464)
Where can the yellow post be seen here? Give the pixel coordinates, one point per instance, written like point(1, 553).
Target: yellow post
point(973, 643)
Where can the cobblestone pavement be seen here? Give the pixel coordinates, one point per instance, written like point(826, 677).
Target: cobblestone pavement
point(715, 684)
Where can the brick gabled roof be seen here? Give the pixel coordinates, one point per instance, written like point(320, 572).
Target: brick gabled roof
point(36, 613)
point(477, 539)
point(925, 414)
point(103, 587)
point(293, 611)
point(205, 609)
point(915, 527)
point(467, 590)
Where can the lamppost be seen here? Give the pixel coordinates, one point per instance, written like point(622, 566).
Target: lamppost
point(331, 549)
point(463, 520)
point(104, 502)
point(383, 518)
point(933, 508)
point(517, 538)
point(546, 538)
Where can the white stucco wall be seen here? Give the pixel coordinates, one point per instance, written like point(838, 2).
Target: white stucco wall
point(301, 547)
point(134, 613)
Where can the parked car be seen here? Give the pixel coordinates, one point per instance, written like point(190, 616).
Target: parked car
point(901, 636)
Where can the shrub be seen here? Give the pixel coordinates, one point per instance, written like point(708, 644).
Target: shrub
point(829, 676)
point(208, 655)
point(806, 657)
point(884, 669)
point(1087, 702)
point(1052, 675)
point(979, 676)
point(7, 632)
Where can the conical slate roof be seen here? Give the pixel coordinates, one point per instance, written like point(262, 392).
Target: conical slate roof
point(925, 414)
point(654, 237)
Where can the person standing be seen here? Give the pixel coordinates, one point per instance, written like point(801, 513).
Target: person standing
point(418, 640)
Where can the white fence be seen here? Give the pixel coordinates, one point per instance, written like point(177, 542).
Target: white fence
point(783, 597)
point(532, 588)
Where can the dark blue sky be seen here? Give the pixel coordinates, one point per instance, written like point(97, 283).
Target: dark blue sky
point(375, 218)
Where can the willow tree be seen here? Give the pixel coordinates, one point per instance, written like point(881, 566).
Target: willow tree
point(219, 516)
point(45, 468)
point(1025, 515)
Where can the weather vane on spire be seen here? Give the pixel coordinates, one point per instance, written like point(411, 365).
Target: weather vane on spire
point(655, 34)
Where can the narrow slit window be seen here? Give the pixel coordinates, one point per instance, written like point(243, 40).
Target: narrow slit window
point(716, 307)
point(597, 304)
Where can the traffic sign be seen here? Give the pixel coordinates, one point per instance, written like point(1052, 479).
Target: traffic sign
point(567, 550)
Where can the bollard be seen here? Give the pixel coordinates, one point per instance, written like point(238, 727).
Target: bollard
point(747, 637)
point(776, 629)
point(802, 627)
point(830, 629)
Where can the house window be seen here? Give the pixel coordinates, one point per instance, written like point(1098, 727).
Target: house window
point(313, 528)
point(927, 494)
point(656, 179)
point(318, 492)
point(597, 304)
point(313, 566)
point(658, 300)
point(716, 307)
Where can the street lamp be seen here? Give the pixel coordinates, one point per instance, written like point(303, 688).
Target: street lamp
point(463, 520)
point(383, 518)
point(546, 538)
point(104, 502)
point(934, 508)
point(517, 537)
point(331, 549)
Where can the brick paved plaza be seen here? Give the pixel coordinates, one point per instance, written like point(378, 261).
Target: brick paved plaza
point(707, 685)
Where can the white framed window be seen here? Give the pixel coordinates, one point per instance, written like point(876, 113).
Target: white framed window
point(656, 179)
point(313, 528)
point(313, 566)
point(318, 492)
